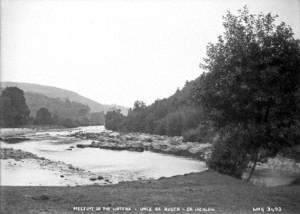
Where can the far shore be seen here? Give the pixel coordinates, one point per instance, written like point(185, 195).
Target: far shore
point(13, 131)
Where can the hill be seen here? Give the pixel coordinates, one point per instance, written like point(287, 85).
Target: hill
point(46, 110)
point(62, 108)
point(54, 92)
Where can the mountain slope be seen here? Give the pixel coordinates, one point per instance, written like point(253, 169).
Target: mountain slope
point(63, 94)
point(56, 106)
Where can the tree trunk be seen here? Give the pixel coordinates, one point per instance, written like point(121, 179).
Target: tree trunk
point(253, 167)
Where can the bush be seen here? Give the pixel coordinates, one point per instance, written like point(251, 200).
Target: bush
point(114, 120)
point(43, 117)
point(192, 135)
point(69, 123)
point(202, 134)
point(229, 154)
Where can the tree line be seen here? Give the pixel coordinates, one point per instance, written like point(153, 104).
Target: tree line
point(14, 111)
point(177, 115)
point(247, 100)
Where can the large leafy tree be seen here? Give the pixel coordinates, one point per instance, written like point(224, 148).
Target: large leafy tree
point(14, 110)
point(250, 88)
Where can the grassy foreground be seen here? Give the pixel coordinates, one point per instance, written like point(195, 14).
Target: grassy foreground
point(208, 189)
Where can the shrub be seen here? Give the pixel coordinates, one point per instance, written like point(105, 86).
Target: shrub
point(229, 154)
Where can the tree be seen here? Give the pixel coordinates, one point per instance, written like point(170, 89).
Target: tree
point(139, 105)
point(114, 120)
point(251, 83)
point(43, 117)
point(173, 123)
point(97, 118)
point(69, 123)
point(83, 116)
point(135, 120)
point(14, 111)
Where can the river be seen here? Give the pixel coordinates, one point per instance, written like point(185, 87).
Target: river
point(113, 166)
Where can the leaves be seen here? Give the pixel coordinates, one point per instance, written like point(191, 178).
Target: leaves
point(251, 83)
point(14, 110)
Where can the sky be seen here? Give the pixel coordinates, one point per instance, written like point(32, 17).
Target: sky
point(117, 51)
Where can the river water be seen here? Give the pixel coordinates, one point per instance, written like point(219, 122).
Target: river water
point(114, 166)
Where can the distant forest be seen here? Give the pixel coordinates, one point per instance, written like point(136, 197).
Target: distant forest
point(18, 109)
point(62, 94)
point(178, 115)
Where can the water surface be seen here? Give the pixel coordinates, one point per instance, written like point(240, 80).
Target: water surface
point(115, 166)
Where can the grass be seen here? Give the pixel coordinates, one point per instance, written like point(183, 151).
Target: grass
point(222, 193)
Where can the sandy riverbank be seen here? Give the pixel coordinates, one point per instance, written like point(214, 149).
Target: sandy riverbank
point(27, 169)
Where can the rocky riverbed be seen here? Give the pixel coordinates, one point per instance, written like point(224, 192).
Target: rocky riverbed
point(274, 171)
point(140, 142)
point(40, 154)
point(107, 156)
point(6, 153)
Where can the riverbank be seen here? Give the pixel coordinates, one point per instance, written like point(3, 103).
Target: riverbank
point(87, 141)
point(6, 153)
point(204, 190)
point(23, 168)
point(9, 132)
point(17, 135)
point(273, 172)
